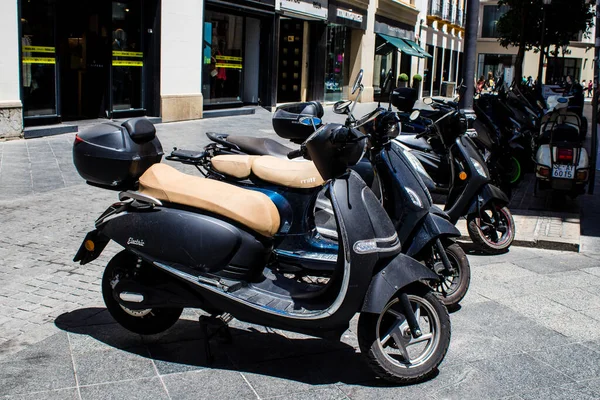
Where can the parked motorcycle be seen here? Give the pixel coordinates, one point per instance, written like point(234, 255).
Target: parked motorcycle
point(423, 228)
point(562, 163)
point(195, 242)
point(470, 193)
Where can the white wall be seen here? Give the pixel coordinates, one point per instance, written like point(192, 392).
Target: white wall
point(9, 53)
point(181, 47)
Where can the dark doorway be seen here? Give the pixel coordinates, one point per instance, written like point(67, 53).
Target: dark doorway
point(290, 60)
point(84, 54)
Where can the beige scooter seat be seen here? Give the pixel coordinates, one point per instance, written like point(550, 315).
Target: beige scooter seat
point(248, 207)
point(279, 171)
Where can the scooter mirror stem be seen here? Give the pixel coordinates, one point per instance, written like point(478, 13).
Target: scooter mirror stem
point(360, 90)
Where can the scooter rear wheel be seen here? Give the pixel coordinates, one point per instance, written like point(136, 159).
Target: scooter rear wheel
point(493, 231)
point(144, 322)
point(386, 341)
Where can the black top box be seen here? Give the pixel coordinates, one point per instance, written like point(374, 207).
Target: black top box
point(115, 156)
point(404, 99)
point(298, 121)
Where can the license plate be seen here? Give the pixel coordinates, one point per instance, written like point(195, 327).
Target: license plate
point(563, 171)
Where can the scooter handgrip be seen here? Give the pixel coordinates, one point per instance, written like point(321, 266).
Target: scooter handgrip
point(295, 154)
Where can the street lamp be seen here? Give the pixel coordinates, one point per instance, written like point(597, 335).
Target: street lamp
point(542, 44)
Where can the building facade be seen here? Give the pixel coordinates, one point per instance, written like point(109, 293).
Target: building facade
point(576, 60)
point(68, 60)
point(442, 36)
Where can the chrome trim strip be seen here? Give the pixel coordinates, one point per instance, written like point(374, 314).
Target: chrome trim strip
point(379, 241)
point(139, 197)
point(131, 297)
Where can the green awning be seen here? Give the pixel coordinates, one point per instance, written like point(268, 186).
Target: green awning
point(418, 48)
point(401, 45)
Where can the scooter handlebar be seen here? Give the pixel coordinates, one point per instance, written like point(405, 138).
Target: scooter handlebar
point(295, 153)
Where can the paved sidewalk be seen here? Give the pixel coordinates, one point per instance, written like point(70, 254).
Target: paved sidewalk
point(528, 329)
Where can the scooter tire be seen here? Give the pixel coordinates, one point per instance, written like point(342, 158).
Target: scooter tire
point(484, 243)
point(391, 369)
point(143, 322)
point(457, 256)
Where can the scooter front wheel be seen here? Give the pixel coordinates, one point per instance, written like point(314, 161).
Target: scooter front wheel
point(493, 229)
point(392, 351)
point(144, 322)
point(453, 285)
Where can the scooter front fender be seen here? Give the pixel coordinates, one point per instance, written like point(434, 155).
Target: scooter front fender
point(487, 194)
point(433, 227)
point(399, 273)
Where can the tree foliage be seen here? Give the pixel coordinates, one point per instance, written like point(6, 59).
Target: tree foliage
point(564, 20)
point(521, 26)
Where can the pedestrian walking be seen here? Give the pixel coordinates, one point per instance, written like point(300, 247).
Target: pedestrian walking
point(590, 88)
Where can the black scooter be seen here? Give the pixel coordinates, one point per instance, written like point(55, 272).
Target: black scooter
point(195, 242)
point(470, 193)
point(424, 229)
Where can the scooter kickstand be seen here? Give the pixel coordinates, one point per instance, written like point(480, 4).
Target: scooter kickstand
point(215, 327)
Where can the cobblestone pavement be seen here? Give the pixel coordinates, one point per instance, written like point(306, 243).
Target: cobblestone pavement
point(529, 328)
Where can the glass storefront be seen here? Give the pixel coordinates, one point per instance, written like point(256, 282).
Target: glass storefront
point(38, 62)
point(82, 59)
point(494, 63)
point(223, 58)
point(428, 72)
point(561, 67)
point(335, 68)
point(127, 55)
point(291, 43)
point(386, 59)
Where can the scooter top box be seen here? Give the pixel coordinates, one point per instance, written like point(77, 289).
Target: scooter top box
point(297, 121)
point(404, 98)
point(115, 156)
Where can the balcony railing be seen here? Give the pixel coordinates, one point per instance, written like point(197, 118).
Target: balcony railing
point(435, 8)
point(454, 14)
point(446, 11)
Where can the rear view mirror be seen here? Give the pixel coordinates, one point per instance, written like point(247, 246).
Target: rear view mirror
point(357, 82)
point(428, 101)
point(342, 106)
point(414, 115)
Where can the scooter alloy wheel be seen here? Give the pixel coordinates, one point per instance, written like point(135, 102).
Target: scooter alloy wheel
point(493, 230)
point(453, 285)
point(145, 322)
point(392, 351)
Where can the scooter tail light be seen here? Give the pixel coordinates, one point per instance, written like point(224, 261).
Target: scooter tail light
point(564, 155)
point(543, 171)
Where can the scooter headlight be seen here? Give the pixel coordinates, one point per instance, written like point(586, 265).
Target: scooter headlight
point(414, 197)
point(479, 168)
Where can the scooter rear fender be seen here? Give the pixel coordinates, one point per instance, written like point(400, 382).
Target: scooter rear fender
point(488, 194)
point(399, 273)
point(432, 228)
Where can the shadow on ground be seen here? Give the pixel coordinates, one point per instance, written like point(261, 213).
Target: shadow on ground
point(253, 350)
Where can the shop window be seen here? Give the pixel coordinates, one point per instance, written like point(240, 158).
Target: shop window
point(38, 61)
point(223, 62)
point(428, 72)
point(494, 63)
point(491, 15)
point(335, 67)
point(437, 82)
point(127, 55)
point(386, 59)
point(561, 67)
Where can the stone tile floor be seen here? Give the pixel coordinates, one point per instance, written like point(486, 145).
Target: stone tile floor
point(529, 327)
